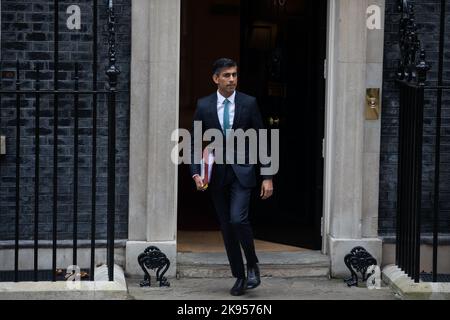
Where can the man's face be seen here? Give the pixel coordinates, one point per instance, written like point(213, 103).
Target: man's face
point(226, 81)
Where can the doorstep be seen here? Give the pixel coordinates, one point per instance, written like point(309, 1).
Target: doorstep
point(271, 264)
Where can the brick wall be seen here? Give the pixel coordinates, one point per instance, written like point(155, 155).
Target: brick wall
point(27, 35)
point(427, 17)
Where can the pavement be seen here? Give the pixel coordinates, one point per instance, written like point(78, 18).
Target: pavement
point(195, 288)
point(210, 289)
point(270, 289)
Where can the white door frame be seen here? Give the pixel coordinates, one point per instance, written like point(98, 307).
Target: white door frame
point(352, 50)
point(329, 122)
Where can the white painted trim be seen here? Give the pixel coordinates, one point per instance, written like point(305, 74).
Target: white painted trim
point(177, 95)
point(329, 123)
point(154, 115)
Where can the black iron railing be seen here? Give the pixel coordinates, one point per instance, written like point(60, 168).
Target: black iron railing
point(411, 80)
point(409, 178)
point(55, 94)
point(112, 74)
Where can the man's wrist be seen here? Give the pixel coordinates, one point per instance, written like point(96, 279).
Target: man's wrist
point(195, 175)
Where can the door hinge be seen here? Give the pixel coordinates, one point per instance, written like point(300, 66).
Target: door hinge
point(325, 69)
point(323, 148)
point(321, 227)
point(2, 145)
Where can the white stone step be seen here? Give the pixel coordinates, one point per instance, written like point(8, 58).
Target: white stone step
point(272, 264)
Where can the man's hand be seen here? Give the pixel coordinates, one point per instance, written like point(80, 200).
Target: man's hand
point(266, 189)
point(199, 183)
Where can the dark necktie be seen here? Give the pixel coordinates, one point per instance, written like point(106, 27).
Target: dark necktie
point(226, 116)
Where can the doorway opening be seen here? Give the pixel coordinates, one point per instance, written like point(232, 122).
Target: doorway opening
point(280, 47)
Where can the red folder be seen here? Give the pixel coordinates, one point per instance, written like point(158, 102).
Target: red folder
point(206, 167)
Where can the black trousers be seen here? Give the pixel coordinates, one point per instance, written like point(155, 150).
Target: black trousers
point(232, 204)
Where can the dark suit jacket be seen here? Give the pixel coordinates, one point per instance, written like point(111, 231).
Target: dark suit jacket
point(247, 116)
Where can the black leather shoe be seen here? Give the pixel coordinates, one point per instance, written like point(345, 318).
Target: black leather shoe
point(239, 287)
point(253, 277)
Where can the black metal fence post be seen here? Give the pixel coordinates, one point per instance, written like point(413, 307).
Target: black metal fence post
point(75, 167)
point(94, 143)
point(437, 161)
point(112, 74)
point(16, 228)
point(417, 192)
point(411, 76)
point(36, 173)
point(55, 137)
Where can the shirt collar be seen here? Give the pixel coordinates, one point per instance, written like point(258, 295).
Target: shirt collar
point(221, 99)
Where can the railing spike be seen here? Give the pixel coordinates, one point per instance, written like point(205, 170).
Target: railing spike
point(410, 46)
point(422, 68)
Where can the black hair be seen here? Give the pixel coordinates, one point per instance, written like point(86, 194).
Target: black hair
point(221, 63)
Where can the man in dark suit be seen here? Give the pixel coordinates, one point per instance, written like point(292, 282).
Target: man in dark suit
point(232, 183)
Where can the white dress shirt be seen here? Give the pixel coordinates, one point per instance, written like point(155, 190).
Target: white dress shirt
point(221, 107)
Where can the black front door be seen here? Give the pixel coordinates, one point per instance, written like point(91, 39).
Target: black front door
point(282, 61)
point(280, 48)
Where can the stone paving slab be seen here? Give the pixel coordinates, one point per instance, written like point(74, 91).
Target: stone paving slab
point(407, 288)
point(270, 289)
point(100, 289)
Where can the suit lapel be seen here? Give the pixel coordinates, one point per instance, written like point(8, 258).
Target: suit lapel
point(237, 110)
point(213, 111)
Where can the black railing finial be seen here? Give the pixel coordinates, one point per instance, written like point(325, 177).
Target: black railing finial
point(422, 68)
point(410, 46)
point(17, 73)
point(400, 71)
point(112, 72)
point(402, 6)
